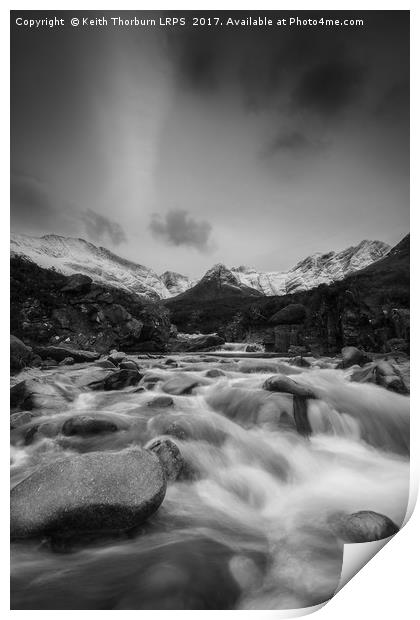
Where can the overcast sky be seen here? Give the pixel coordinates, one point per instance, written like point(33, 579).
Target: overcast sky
point(185, 147)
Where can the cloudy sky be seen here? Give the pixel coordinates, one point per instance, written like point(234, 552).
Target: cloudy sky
point(179, 148)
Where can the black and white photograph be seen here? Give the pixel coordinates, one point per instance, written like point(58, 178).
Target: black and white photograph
point(209, 304)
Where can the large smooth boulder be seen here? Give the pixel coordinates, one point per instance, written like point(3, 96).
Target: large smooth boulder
point(362, 526)
point(282, 383)
point(60, 353)
point(20, 354)
point(77, 283)
point(352, 356)
point(95, 492)
point(85, 425)
point(161, 402)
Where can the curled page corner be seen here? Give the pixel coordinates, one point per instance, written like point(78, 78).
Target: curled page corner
point(356, 556)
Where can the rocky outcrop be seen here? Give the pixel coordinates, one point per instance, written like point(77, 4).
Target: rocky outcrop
point(60, 354)
point(96, 492)
point(50, 309)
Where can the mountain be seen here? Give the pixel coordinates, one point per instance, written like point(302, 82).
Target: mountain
point(313, 270)
point(218, 282)
point(368, 308)
point(175, 282)
point(69, 255)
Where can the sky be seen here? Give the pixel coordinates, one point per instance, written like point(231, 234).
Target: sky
point(183, 147)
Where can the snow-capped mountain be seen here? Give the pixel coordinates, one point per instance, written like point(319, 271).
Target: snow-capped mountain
point(69, 255)
point(175, 282)
point(313, 270)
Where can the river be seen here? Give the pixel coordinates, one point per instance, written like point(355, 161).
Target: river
point(248, 528)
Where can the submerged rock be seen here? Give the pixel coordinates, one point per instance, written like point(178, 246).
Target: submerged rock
point(88, 425)
point(161, 401)
point(362, 526)
point(20, 418)
point(183, 384)
point(169, 455)
point(215, 372)
point(95, 492)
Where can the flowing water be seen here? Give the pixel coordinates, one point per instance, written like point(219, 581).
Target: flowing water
point(248, 528)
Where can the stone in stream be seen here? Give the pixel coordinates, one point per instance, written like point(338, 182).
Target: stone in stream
point(168, 454)
point(39, 394)
point(116, 357)
point(382, 373)
point(105, 364)
point(98, 492)
point(84, 425)
point(128, 365)
point(362, 526)
point(117, 380)
point(352, 356)
point(215, 372)
point(301, 394)
point(161, 401)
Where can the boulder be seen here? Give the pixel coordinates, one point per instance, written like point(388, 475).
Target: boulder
point(67, 361)
point(60, 353)
point(77, 283)
point(128, 365)
point(168, 454)
point(198, 343)
point(105, 364)
point(95, 492)
point(161, 401)
point(85, 425)
point(362, 526)
point(282, 383)
point(352, 356)
point(38, 394)
point(116, 357)
point(382, 373)
point(215, 372)
point(122, 379)
point(20, 354)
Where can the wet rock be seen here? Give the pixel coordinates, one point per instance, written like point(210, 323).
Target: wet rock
point(48, 363)
point(95, 492)
point(122, 379)
point(116, 357)
point(183, 384)
point(92, 377)
point(38, 394)
point(299, 361)
point(58, 354)
point(362, 526)
point(20, 418)
point(67, 361)
point(20, 354)
point(128, 365)
point(352, 356)
point(161, 401)
point(168, 454)
point(282, 383)
point(215, 372)
point(170, 362)
point(382, 373)
point(105, 364)
point(77, 283)
point(84, 425)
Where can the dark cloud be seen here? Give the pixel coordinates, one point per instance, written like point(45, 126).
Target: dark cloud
point(292, 142)
point(330, 86)
point(178, 228)
point(100, 228)
point(37, 209)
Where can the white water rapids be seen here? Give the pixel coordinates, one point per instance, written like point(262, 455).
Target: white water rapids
point(248, 530)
